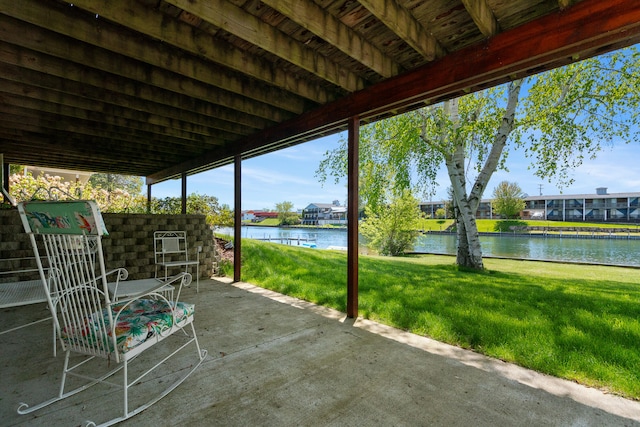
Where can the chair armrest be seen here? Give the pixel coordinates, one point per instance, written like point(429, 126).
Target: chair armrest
point(122, 275)
point(182, 279)
point(185, 280)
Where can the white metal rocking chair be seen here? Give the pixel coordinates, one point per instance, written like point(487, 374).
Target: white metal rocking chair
point(87, 321)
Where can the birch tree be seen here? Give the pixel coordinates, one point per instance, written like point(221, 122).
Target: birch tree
point(563, 116)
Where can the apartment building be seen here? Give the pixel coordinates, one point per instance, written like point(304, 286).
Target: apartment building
point(601, 206)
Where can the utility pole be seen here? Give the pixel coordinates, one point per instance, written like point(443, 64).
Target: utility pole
point(540, 189)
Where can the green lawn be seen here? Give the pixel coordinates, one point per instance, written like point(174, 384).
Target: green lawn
point(576, 322)
point(270, 222)
point(435, 224)
point(504, 225)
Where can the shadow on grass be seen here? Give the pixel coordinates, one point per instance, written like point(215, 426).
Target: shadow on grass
point(583, 330)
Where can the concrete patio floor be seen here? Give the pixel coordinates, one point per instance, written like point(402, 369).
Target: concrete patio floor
point(275, 360)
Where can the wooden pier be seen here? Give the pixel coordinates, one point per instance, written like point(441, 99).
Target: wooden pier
point(300, 241)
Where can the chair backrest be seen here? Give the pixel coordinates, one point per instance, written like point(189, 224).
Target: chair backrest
point(170, 246)
point(81, 294)
point(62, 217)
point(71, 234)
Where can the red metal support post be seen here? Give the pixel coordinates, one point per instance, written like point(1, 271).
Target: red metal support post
point(237, 217)
point(184, 193)
point(148, 198)
point(352, 217)
point(5, 178)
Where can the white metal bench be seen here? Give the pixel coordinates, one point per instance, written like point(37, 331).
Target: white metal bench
point(21, 286)
point(15, 293)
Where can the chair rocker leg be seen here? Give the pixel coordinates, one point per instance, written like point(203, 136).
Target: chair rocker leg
point(24, 408)
point(128, 414)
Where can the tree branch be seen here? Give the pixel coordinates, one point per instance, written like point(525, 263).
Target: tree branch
point(499, 143)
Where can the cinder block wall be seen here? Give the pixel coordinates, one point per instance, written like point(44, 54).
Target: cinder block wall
point(14, 247)
point(129, 244)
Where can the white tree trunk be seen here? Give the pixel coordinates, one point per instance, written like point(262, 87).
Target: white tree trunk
point(469, 249)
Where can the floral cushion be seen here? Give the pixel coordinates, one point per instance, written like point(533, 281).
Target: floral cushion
point(141, 320)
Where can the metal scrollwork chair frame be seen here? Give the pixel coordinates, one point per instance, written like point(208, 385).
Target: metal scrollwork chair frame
point(87, 319)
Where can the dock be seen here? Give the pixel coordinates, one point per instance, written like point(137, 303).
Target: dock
point(299, 241)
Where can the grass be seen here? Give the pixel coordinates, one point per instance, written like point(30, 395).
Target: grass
point(580, 323)
point(267, 222)
point(435, 224)
point(504, 225)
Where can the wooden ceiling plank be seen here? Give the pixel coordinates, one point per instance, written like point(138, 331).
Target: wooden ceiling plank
point(72, 163)
point(552, 40)
point(39, 99)
point(108, 37)
point(482, 16)
point(141, 77)
point(74, 145)
point(154, 24)
point(50, 124)
point(400, 21)
point(312, 17)
point(36, 147)
point(563, 4)
point(139, 97)
point(45, 71)
point(103, 162)
point(76, 160)
point(93, 98)
point(236, 21)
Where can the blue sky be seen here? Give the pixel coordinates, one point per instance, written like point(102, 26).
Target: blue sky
point(289, 175)
point(285, 175)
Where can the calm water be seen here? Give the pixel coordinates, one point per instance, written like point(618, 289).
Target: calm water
point(605, 251)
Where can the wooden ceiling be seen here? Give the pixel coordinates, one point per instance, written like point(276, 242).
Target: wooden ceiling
point(158, 88)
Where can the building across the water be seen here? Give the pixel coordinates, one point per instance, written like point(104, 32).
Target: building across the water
point(324, 214)
point(601, 206)
point(257, 216)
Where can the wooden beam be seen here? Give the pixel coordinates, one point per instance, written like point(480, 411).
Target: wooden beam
point(309, 15)
point(223, 14)
point(552, 41)
point(563, 4)
point(64, 140)
point(42, 100)
point(44, 123)
point(352, 216)
point(156, 25)
point(402, 23)
point(122, 97)
point(482, 16)
point(65, 20)
point(143, 81)
point(71, 149)
point(237, 218)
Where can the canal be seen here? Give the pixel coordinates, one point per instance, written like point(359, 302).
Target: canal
point(599, 251)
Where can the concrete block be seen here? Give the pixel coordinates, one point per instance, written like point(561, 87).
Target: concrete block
point(128, 228)
point(113, 220)
point(116, 249)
